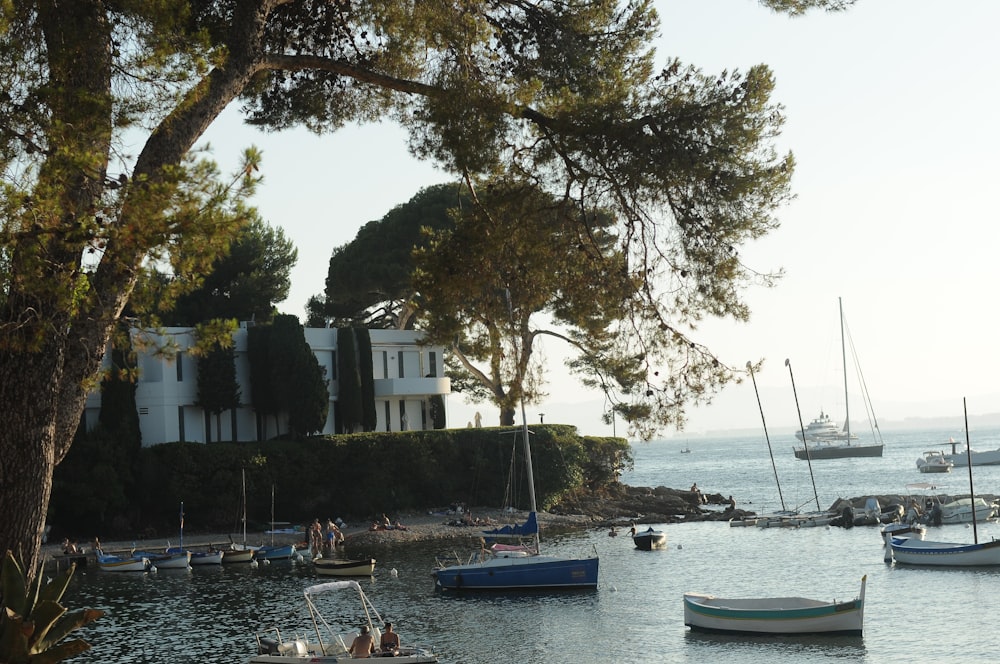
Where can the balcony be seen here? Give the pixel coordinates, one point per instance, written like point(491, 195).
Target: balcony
point(411, 387)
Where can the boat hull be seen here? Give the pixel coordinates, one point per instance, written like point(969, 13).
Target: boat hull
point(333, 567)
point(115, 564)
point(238, 556)
point(774, 616)
point(838, 451)
point(275, 552)
point(649, 540)
point(988, 458)
point(912, 551)
point(519, 572)
point(169, 561)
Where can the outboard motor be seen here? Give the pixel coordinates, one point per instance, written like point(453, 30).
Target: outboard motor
point(936, 515)
point(847, 516)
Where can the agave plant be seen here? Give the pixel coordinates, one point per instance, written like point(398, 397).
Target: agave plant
point(33, 623)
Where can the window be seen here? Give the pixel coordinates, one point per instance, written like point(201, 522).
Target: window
point(180, 367)
point(180, 423)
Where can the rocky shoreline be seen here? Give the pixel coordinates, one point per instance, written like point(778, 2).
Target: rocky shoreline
point(615, 505)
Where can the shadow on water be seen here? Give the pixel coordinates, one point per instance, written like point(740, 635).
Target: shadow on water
point(709, 647)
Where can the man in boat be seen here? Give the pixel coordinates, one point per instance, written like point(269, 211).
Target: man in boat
point(390, 640)
point(363, 645)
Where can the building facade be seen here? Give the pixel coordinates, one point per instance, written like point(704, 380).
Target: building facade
point(407, 375)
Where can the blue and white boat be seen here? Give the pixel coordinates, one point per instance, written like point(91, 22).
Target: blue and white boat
point(110, 563)
point(517, 568)
point(775, 615)
point(916, 551)
point(275, 552)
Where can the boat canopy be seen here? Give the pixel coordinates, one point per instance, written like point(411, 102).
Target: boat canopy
point(332, 585)
point(529, 527)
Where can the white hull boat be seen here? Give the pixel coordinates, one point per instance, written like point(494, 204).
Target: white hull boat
point(913, 551)
point(340, 567)
point(823, 428)
point(109, 563)
point(963, 457)
point(775, 615)
point(934, 462)
point(960, 511)
point(795, 520)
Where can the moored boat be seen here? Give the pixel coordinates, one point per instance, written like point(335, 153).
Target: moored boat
point(179, 560)
point(650, 539)
point(775, 615)
point(934, 461)
point(915, 551)
point(109, 563)
point(330, 646)
point(340, 567)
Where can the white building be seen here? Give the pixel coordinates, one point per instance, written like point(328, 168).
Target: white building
point(167, 387)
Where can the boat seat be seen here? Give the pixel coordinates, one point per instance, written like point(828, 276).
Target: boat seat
point(296, 647)
point(267, 647)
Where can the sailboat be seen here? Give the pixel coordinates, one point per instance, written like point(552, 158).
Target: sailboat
point(274, 551)
point(917, 551)
point(512, 567)
point(241, 553)
point(212, 557)
point(822, 440)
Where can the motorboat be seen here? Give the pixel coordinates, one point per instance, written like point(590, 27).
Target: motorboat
point(649, 539)
point(902, 529)
point(963, 456)
point(340, 567)
point(824, 428)
point(934, 462)
point(960, 510)
point(775, 615)
point(326, 645)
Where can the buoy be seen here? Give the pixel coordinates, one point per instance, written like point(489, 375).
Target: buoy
point(393, 573)
point(253, 564)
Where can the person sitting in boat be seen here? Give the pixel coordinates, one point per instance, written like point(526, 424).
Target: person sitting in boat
point(363, 644)
point(389, 643)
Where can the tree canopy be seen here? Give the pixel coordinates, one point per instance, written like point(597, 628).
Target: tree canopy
point(370, 279)
point(245, 283)
point(564, 94)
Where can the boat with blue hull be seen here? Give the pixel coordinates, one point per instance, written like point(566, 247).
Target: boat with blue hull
point(512, 567)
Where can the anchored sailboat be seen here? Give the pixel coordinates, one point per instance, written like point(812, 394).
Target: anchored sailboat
point(821, 440)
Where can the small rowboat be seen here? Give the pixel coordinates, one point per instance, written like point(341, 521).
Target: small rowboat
point(117, 564)
point(775, 615)
point(914, 551)
point(336, 567)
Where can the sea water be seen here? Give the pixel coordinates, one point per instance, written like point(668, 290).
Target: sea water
point(210, 614)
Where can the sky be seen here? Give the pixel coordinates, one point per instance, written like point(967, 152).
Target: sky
point(890, 113)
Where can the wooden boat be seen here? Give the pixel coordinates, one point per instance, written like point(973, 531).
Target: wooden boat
point(109, 563)
point(340, 567)
point(207, 557)
point(650, 539)
point(180, 560)
point(275, 552)
point(775, 615)
point(915, 551)
point(330, 646)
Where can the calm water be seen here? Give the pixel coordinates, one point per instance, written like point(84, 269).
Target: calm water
point(635, 615)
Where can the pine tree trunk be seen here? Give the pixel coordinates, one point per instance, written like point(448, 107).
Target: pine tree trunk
point(28, 394)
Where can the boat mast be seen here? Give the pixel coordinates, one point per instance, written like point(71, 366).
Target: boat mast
point(968, 456)
point(524, 425)
point(805, 443)
point(769, 450)
point(843, 358)
point(244, 501)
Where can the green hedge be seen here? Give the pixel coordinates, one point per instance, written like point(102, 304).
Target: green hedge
point(356, 476)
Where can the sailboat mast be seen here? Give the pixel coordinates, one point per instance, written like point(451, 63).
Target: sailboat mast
point(968, 456)
point(769, 450)
point(843, 358)
point(244, 501)
point(805, 442)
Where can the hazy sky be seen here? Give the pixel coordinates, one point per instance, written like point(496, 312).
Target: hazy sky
point(891, 115)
